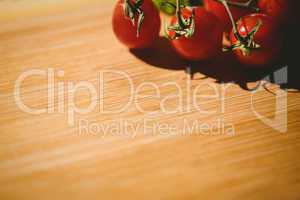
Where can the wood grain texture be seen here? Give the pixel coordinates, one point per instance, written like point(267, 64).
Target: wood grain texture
point(43, 157)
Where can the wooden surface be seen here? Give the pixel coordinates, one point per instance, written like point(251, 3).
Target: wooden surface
point(43, 157)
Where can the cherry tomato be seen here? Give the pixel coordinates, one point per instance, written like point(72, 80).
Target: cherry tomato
point(206, 41)
point(267, 36)
point(126, 32)
point(219, 10)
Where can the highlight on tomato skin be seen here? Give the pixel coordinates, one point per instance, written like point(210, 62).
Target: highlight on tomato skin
point(126, 32)
point(267, 37)
point(219, 10)
point(206, 42)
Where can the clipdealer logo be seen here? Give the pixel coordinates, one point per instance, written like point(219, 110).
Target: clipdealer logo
point(186, 94)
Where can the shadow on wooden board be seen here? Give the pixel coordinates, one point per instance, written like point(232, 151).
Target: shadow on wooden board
point(224, 68)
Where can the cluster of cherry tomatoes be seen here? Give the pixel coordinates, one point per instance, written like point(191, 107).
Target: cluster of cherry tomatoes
point(249, 28)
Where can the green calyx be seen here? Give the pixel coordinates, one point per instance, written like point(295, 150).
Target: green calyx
point(246, 44)
point(133, 9)
point(184, 27)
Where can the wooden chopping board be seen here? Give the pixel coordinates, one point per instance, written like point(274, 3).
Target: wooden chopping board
point(213, 140)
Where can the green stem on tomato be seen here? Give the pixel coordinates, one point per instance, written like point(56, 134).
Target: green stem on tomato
point(178, 13)
point(235, 30)
point(131, 10)
point(245, 44)
point(183, 27)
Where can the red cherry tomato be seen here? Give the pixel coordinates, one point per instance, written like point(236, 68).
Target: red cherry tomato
point(206, 41)
point(126, 32)
point(219, 10)
point(267, 36)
